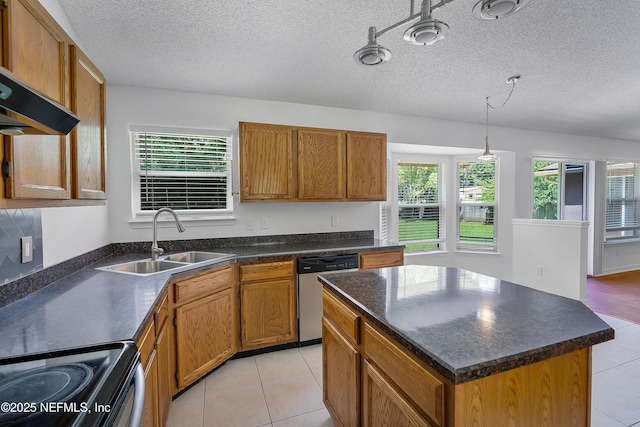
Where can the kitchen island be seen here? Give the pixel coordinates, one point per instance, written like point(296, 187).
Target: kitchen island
point(436, 346)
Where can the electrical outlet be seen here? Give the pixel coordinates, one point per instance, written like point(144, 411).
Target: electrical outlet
point(539, 270)
point(264, 223)
point(27, 249)
point(334, 220)
point(249, 225)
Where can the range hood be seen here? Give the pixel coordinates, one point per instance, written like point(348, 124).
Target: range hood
point(25, 111)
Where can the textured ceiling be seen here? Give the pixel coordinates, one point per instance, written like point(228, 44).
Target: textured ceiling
point(579, 59)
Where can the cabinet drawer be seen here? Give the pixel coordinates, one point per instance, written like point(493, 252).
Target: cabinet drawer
point(162, 311)
point(423, 388)
point(266, 270)
point(203, 285)
point(347, 321)
point(146, 343)
point(381, 259)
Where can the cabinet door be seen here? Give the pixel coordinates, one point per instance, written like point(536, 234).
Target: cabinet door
point(341, 376)
point(268, 313)
point(266, 162)
point(366, 166)
point(88, 139)
point(321, 164)
point(206, 335)
point(36, 51)
point(383, 405)
point(163, 354)
point(150, 412)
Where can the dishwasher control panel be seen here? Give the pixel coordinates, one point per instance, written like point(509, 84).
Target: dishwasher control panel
point(327, 263)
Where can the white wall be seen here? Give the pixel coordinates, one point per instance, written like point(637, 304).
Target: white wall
point(133, 105)
point(551, 256)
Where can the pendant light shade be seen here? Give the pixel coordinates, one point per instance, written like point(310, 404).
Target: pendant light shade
point(496, 9)
point(427, 30)
point(372, 53)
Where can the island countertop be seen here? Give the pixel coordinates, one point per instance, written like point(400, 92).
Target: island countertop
point(464, 324)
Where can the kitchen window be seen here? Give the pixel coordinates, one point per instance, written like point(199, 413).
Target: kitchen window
point(186, 170)
point(420, 206)
point(623, 200)
point(477, 207)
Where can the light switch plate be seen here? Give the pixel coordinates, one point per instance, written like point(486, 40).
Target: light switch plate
point(27, 249)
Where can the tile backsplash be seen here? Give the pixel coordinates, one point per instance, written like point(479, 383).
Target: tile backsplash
point(14, 224)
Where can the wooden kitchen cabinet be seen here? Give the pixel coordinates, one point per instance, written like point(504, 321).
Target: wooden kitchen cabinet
point(205, 323)
point(340, 362)
point(155, 352)
point(381, 259)
point(321, 165)
point(88, 139)
point(366, 166)
point(266, 162)
point(40, 170)
point(268, 304)
point(295, 164)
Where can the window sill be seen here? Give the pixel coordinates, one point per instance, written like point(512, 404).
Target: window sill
point(618, 242)
point(483, 253)
point(197, 221)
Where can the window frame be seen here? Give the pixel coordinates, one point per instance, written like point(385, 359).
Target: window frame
point(562, 185)
point(139, 215)
point(635, 199)
point(392, 211)
point(463, 246)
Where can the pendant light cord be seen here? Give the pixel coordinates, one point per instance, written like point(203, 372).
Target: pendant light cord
point(511, 80)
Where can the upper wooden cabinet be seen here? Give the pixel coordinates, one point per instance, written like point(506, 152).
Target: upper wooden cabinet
point(88, 139)
point(266, 162)
point(366, 166)
point(38, 170)
point(286, 163)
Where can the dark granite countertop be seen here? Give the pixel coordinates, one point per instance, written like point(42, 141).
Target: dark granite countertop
point(466, 325)
point(91, 306)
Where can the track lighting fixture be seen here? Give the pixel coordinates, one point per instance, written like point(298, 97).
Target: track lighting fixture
point(427, 30)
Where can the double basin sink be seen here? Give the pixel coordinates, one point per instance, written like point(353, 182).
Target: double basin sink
point(169, 262)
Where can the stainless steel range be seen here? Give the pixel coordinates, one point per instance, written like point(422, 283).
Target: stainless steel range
point(90, 386)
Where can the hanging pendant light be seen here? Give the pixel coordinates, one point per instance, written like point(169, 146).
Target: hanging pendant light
point(372, 53)
point(487, 155)
point(427, 30)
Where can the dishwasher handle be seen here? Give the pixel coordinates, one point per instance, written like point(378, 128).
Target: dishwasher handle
point(138, 397)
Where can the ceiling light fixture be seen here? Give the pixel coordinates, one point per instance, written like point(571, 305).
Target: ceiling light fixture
point(428, 31)
point(496, 9)
point(488, 155)
point(372, 53)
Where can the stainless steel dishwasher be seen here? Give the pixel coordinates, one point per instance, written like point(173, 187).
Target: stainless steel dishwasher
point(310, 292)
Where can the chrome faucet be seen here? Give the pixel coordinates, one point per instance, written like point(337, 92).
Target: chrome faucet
point(155, 250)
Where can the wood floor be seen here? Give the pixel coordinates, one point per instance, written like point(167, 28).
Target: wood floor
point(617, 295)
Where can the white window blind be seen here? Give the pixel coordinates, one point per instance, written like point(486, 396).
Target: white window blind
point(187, 170)
point(476, 205)
point(623, 200)
point(420, 206)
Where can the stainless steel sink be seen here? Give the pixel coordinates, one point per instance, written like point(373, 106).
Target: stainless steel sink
point(193, 257)
point(144, 268)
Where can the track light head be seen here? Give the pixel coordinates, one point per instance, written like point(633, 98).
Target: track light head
point(496, 9)
point(372, 53)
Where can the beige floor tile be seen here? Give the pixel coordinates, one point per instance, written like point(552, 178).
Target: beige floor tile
point(313, 357)
point(319, 418)
point(292, 394)
point(233, 396)
point(188, 409)
point(273, 366)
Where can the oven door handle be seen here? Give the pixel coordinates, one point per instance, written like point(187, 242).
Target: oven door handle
point(138, 398)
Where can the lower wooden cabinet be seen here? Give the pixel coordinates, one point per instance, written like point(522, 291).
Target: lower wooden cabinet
point(146, 347)
point(341, 382)
point(205, 326)
point(163, 387)
point(268, 308)
point(367, 260)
